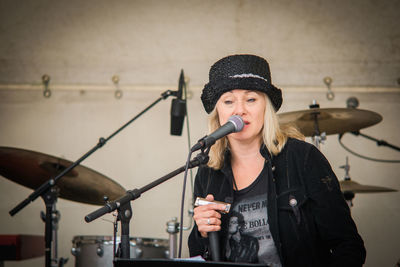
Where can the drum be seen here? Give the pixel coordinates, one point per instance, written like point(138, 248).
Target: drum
point(98, 250)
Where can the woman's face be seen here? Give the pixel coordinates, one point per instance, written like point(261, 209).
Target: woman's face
point(250, 105)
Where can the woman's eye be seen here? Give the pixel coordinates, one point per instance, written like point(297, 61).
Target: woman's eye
point(251, 100)
point(228, 102)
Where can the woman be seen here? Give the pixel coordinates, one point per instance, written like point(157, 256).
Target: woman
point(283, 187)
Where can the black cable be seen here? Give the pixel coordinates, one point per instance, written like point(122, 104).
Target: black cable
point(183, 204)
point(188, 137)
point(364, 157)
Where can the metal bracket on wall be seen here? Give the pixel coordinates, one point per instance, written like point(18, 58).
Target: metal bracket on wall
point(46, 81)
point(330, 94)
point(118, 92)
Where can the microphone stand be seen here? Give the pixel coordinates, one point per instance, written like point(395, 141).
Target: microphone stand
point(50, 200)
point(378, 142)
point(121, 203)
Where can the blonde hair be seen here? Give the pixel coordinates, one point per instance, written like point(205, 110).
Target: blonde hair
point(273, 134)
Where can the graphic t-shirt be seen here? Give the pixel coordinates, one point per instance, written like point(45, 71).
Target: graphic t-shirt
point(248, 235)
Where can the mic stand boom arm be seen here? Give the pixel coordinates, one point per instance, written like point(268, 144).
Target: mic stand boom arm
point(124, 201)
point(378, 142)
point(136, 193)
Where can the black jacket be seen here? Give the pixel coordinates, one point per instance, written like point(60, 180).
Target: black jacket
point(316, 230)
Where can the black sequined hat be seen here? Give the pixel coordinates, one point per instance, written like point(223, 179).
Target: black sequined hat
point(247, 72)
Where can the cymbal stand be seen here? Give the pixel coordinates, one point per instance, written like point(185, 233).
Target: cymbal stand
point(317, 138)
point(348, 195)
point(172, 230)
point(346, 169)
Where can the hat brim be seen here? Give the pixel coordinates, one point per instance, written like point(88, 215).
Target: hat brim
point(213, 90)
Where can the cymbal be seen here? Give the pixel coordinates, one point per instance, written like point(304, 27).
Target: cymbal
point(349, 185)
point(330, 120)
point(81, 184)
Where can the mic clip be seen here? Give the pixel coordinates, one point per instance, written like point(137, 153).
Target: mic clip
point(203, 157)
point(174, 93)
point(204, 143)
point(168, 93)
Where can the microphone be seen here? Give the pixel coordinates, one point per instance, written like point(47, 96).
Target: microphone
point(214, 245)
point(234, 124)
point(178, 109)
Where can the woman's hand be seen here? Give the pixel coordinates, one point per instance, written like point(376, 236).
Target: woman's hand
point(207, 217)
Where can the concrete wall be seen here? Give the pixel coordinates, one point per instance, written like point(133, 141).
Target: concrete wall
point(148, 42)
point(82, 45)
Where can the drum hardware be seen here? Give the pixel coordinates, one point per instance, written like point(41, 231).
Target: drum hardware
point(318, 137)
point(318, 122)
point(378, 142)
point(352, 102)
point(350, 187)
point(172, 230)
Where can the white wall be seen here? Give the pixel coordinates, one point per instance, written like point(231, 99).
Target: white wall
point(147, 42)
point(81, 45)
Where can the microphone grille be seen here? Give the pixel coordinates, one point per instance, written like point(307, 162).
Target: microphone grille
point(237, 122)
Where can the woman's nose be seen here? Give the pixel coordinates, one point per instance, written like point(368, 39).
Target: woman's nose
point(240, 108)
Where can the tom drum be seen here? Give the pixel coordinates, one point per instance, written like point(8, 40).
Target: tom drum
point(98, 250)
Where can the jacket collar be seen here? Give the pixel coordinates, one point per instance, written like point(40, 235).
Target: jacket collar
point(226, 168)
point(265, 152)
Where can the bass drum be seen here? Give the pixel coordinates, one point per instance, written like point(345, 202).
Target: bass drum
point(97, 251)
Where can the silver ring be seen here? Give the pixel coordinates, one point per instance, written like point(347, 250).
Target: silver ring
point(208, 221)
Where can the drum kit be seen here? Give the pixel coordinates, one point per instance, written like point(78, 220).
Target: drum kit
point(84, 185)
